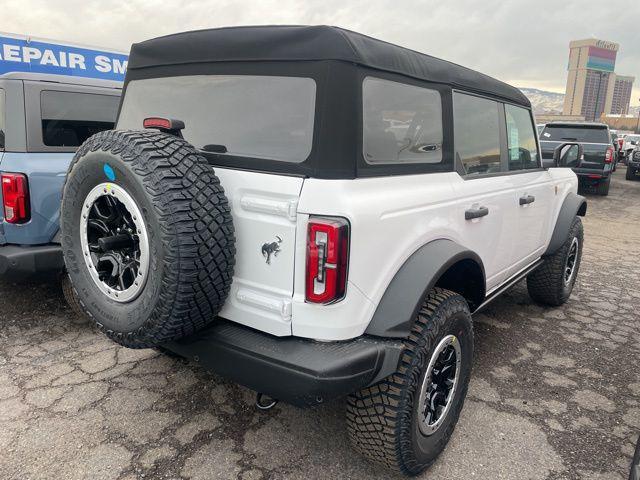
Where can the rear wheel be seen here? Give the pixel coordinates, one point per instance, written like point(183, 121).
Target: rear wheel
point(147, 236)
point(406, 420)
point(552, 282)
point(631, 173)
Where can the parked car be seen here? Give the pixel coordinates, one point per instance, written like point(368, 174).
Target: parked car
point(597, 165)
point(540, 127)
point(634, 473)
point(44, 117)
point(633, 164)
point(253, 211)
point(614, 144)
point(631, 141)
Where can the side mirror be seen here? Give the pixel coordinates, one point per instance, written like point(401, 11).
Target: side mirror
point(568, 155)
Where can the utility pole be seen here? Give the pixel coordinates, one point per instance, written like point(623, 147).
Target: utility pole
point(638, 124)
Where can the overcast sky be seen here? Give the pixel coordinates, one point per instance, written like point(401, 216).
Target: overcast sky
point(523, 42)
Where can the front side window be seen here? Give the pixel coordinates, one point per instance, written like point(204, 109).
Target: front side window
point(521, 141)
point(264, 117)
point(476, 128)
point(401, 123)
point(69, 118)
point(2, 119)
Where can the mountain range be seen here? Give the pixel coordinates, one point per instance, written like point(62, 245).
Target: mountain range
point(545, 102)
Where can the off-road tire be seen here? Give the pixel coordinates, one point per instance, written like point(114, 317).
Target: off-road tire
point(190, 232)
point(546, 284)
point(382, 419)
point(71, 297)
point(603, 187)
point(630, 174)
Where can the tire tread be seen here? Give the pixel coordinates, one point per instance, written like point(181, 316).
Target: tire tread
point(196, 230)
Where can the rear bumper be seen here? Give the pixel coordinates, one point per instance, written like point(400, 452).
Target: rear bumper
point(592, 175)
point(18, 261)
point(299, 371)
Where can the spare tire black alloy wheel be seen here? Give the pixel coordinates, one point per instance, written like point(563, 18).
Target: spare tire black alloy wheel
point(147, 237)
point(115, 242)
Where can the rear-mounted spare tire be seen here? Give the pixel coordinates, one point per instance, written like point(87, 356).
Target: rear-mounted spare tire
point(147, 236)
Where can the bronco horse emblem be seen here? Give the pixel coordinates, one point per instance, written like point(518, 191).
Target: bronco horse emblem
point(269, 249)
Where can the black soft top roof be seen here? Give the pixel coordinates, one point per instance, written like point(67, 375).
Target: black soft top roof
point(303, 43)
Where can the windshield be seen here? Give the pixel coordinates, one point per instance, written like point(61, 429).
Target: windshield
point(251, 116)
point(632, 138)
point(566, 133)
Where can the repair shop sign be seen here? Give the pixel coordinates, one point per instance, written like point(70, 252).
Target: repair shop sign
point(24, 54)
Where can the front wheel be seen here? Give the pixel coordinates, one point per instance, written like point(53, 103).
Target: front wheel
point(405, 421)
point(631, 173)
point(553, 281)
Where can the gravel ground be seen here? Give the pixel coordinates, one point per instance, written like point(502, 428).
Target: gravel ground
point(555, 392)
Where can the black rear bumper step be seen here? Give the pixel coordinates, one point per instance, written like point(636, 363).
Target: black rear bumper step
point(18, 261)
point(298, 371)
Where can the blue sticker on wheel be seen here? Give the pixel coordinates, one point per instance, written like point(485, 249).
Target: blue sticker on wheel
point(108, 171)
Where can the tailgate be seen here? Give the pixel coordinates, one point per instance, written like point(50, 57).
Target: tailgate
point(45, 174)
point(594, 153)
point(264, 216)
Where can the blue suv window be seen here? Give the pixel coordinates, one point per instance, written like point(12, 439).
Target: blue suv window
point(69, 118)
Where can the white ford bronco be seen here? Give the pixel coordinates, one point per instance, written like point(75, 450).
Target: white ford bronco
point(315, 214)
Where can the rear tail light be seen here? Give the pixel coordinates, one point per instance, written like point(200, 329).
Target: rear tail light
point(327, 259)
point(15, 197)
point(608, 157)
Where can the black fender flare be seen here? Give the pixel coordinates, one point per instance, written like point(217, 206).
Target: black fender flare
point(572, 205)
point(405, 294)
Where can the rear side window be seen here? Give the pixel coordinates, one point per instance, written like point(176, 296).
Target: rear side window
point(476, 125)
point(69, 118)
point(264, 117)
point(521, 140)
point(569, 133)
point(2, 119)
point(401, 123)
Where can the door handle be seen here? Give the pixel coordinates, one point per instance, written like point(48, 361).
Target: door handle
point(475, 213)
point(527, 199)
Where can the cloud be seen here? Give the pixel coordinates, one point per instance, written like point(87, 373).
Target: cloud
point(521, 42)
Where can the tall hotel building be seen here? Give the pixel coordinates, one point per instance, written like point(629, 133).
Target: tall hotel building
point(592, 86)
point(621, 95)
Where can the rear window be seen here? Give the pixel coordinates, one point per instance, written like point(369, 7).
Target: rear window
point(401, 123)
point(565, 133)
point(265, 117)
point(69, 118)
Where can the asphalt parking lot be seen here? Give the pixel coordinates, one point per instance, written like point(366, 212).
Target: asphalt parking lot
point(555, 393)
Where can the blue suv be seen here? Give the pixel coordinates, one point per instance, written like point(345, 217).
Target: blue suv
point(46, 112)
